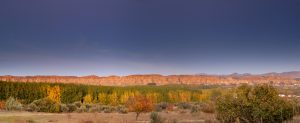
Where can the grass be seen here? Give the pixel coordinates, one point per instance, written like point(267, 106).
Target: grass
point(25, 117)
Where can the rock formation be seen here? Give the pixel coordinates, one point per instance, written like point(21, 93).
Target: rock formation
point(157, 79)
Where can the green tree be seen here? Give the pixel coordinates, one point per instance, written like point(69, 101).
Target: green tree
point(254, 104)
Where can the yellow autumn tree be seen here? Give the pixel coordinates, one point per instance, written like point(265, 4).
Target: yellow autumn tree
point(184, 96)
point(113, 99)
point(124, 97)
point(204, 97)
point(196, 96)
point(173, 96)
point(135, 93)
point(102, 97)
point(155, 97)
point(87, 99)
point(54, 93)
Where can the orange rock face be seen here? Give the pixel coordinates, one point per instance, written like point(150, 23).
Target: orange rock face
point(157, 79)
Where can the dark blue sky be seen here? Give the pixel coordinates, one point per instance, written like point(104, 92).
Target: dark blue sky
point(121, 37)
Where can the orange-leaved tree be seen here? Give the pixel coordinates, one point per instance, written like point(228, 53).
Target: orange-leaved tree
point(140, 104)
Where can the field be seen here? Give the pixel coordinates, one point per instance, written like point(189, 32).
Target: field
point(170, 117)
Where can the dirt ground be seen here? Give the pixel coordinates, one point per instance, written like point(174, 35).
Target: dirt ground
point(170, 117)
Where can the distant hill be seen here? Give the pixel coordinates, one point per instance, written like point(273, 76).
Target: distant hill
point(291, 74)
point(236, 78)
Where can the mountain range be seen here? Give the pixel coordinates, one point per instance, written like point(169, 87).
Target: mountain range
point(235, 78)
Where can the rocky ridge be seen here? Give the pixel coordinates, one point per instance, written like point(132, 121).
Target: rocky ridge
point(160, 79)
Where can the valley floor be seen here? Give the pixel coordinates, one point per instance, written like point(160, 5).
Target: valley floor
point(170, 117)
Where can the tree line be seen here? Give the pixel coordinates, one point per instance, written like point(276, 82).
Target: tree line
point(109, 95)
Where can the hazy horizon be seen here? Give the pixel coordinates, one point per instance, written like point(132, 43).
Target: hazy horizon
point(117, 37)
point(143, 74)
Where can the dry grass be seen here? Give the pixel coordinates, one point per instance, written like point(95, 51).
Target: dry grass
point(26, 117)
point(170, 117)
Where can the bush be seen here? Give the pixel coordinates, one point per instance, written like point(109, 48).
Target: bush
point(109, 109)
point(13, 104)
point(64, 108)
point(195, 109)
point(254, 104)
point(155, 118)
point(94, 109)
point(44, 105)
point(77, 104)
point(184, 105)
point(81, 109)
point(122, 109)
point(32, 108)
point(88, 106)
point(170, 107)
point(161, 106)
point(2, 105)
point(72, 107)
point(208, 107)
point(55, 108)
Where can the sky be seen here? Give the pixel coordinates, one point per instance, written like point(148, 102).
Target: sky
point(122, 37)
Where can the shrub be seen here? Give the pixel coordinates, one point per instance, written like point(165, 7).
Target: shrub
point(55, 108)
point(72, 107)
point(2, 105)
point(94, 109)
point(161, 106)
point(122, 109)
point(42, 104)
point(32, 107)
point(254, 104)
point(103, 107)
point(157, 108)
point(109, 109)
point(184, 105)
point(45, 105)
point(81, 109)
point(64, 108)
point(195, 109)
point(170, 107)
point(208, 107)
point(88, 106)
point(77, 104)
point(13, 104)
point(155, 118)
